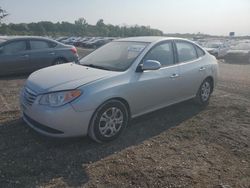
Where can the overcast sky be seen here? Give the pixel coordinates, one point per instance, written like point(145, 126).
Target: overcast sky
point(217, 17)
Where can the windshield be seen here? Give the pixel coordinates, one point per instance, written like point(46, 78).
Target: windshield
point(115, 56)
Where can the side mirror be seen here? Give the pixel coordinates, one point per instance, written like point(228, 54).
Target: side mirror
point(150, 65)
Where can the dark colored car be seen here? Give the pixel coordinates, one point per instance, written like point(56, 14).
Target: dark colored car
point(85, 43)
point(27, 54)
point(98, 43)
point(80, 42)
point(60, 39)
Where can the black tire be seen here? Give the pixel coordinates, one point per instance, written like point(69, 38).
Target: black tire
point(105, 125)
point(59, 61)
point(204, 92)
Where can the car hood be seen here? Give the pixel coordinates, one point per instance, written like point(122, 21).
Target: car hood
point(64, 77)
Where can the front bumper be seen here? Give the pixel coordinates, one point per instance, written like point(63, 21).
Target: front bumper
point(57, 122)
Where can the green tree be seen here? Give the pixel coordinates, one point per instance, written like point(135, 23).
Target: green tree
point(81, 26)
point(3, 13)
point(102, 29)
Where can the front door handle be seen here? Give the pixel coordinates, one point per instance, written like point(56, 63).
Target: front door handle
point(52, 53)
point(202, 68)
point(174, 75)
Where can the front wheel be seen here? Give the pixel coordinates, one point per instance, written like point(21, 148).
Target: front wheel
point(204, 92)
point(109, 121)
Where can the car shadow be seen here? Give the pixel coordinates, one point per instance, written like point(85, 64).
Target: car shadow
point(29, 159)
point(237, 59)
point(15, 76)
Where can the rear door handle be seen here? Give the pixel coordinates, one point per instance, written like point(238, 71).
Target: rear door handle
point(174, 75)
point(202, 68)
point(52, 53)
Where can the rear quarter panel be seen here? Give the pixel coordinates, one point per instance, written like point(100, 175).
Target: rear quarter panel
point(66, 54)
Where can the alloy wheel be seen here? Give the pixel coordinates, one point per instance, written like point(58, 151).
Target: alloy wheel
point(111, 122)
point(205, 91)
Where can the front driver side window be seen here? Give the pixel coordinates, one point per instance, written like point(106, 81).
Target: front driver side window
point(162, 53)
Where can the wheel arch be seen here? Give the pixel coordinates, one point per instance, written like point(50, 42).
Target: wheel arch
point(125, 102)
point(211, 79)
point(60, 57)
point(122, 100)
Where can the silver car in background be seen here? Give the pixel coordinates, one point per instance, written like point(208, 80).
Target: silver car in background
point(121, 80)
point(217, 49)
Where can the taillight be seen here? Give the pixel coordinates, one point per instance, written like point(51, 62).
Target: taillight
point(74, 50)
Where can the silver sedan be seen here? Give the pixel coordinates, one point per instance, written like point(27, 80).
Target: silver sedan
point(121, 80)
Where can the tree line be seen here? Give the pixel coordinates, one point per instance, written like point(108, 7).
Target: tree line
point(79, 28)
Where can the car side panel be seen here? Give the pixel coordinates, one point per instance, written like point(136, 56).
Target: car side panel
point(14, 63)
point(143, 91)
point(191, 75)
point(66, 54)
point(151, 89)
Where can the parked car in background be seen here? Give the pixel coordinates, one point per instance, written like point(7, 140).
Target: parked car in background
point(81, 41)
point(98, 43)
point(121, 80)
point(218, 49)
point(239, 53)
point(71, 40)
point(89, 41)
point(60, 39)
point(27, 54)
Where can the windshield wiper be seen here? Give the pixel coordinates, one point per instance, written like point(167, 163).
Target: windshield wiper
point(96, 66)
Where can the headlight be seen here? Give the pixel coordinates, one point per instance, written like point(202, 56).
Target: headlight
point(59, 98)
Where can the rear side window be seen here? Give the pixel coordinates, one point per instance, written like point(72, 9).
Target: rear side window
point(14, 47)
point(52, 44)
point(162, 53)
point(185, 51)
point(38, 44)
point(200, 52)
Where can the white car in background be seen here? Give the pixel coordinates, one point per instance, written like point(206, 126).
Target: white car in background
point(218, 49)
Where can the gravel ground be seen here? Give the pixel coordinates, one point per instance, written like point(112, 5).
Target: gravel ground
point(180, 146)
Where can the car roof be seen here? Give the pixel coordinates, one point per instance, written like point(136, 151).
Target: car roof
point(8, 38)
point(147, 39)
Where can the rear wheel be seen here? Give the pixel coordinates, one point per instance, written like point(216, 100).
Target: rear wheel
point(108, 122)
point(59, 61)
point(204, 93)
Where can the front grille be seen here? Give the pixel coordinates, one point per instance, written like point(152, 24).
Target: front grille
point(29, 96)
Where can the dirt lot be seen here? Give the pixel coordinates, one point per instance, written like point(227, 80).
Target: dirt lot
point(179, 146)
